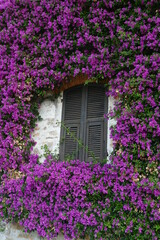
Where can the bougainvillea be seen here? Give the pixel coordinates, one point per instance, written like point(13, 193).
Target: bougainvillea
point(43, 43)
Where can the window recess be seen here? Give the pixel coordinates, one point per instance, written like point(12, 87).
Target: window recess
point(84, 128)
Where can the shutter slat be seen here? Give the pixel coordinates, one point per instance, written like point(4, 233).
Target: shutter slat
point(71, 145)
point(94, 140)
point(73, 104)
point(96, 101)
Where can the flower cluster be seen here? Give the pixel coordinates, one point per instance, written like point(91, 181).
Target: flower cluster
point(43, 43)
point(80, 199)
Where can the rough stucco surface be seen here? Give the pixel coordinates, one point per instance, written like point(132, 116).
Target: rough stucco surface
point(47, 132)
point(15, 232)
point(111, 122)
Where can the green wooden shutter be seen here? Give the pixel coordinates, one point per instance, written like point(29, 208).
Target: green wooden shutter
point(95, 102)
point(95, 125)
point(71, 144)
point(83, 117)
point(73, 104)
point(71, 121)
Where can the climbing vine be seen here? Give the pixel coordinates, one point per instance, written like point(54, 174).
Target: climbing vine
point(42, 44)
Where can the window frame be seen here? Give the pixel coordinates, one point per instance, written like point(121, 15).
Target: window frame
point(82, 153)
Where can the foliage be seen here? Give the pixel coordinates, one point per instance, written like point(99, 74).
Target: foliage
point(43, 43)
point(80, 198)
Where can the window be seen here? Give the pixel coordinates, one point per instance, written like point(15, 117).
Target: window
point(84, 128)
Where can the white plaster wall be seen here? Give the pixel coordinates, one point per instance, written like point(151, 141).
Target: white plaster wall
point(111, 122)
point(47, 131)
point(16, 232)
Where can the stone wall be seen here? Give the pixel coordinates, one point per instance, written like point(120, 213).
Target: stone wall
point(111, 122)
point(47, 131)
point(16, 232)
